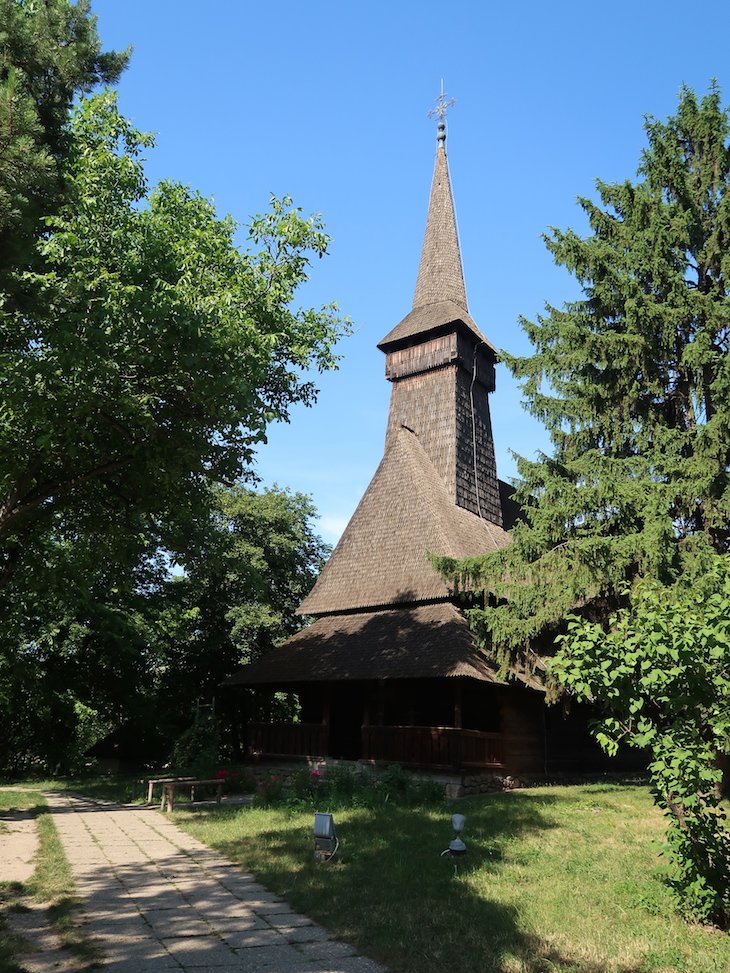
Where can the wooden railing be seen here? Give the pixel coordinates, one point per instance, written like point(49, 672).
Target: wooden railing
point(287, 739)
point(444, 747)
point(440, 747)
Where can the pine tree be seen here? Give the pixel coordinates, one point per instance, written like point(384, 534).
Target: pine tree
point(633, 384)
point(623, 548)
point(49, 54)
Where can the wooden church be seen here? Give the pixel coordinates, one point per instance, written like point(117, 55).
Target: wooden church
point(388, 669)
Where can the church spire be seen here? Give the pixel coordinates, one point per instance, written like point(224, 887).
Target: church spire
point(440, 274)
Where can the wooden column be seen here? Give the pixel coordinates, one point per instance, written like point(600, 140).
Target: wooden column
point(457, 703)
point(367, 693)
point(381, 703)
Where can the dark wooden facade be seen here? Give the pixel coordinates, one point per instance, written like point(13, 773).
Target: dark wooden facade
point(446, 725)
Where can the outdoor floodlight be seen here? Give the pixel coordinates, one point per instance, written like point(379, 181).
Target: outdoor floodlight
point(456, 845)
point(325, 837)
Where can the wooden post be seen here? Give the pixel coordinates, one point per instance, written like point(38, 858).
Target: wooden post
point(458, 752)
point(381, 702)
point(457, 703)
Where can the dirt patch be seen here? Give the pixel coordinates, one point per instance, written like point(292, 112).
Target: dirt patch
point(18, 846)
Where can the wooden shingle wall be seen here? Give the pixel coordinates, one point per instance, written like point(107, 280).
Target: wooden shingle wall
point(471, 431)
point(440, 391)
point(425, 404)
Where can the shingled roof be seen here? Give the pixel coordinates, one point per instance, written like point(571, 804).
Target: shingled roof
point(405, 512)
point(426, 641)
point(440, 296)
point(422, 321)
point(420, 642)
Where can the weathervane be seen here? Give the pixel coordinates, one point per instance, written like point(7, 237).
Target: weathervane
point(443, 103)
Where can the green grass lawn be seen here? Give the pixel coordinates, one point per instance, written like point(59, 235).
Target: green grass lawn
point(558, 878)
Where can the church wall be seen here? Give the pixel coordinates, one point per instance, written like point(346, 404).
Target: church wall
point(488, 504)
point(523, 728)
point(421, 357)
point(425, 404)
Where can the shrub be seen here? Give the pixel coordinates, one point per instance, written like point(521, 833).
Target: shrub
point(196, 750)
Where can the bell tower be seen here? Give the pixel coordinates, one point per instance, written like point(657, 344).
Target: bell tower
point(441, 365)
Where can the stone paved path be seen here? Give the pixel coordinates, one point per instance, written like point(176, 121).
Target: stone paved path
point(158, 899)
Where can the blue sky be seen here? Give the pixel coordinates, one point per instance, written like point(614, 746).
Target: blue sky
point(327, 102)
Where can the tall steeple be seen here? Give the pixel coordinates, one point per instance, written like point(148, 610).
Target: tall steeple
point(440, 274)
point(440, 363)
point(436, 488)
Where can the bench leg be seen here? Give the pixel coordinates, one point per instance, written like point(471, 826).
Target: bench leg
point(149, 793)
point(219, 793)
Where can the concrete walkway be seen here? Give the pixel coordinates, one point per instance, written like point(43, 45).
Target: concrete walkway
point(157, 899)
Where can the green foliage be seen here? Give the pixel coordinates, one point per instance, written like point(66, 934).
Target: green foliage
point(660, 669)
point(134, 643)
point(197, 750)
point(145, 369)
point(156, 357)
point(49, 54)
point(341, 786)
point(271, 789)
point(253, 562)
point(633, 384)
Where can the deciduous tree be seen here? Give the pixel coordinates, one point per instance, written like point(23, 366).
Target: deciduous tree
point(239, 595)
point(156, 354)
point(660, 670)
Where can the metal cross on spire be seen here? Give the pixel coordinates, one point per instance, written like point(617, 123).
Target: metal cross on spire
point(443, 103)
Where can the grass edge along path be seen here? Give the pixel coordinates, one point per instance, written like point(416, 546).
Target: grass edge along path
point(51, 887)
point(562, 879)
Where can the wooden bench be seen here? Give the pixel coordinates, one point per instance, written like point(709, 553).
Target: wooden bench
point(162, 780)
point(170, 786)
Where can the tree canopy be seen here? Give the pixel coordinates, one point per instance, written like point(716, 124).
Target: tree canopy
point(633, 383)
point(155, 355)
point(49, 54)
point(135, 642)
point(143, 353)
point(252, 566)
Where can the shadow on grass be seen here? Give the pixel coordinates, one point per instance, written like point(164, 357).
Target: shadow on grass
point(11, 946)
point(391, 895)
point(22, 813)
point(64, 916)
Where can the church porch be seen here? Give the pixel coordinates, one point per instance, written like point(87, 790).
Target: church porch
point(450, 725)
